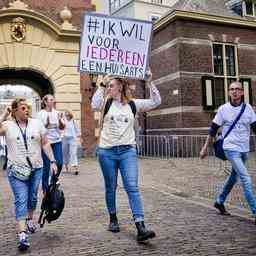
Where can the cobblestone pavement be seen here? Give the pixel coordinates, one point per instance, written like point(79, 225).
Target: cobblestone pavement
point(185, 222)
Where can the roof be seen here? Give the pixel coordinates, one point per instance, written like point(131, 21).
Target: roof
point(214, 7)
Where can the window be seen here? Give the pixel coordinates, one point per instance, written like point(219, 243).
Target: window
point(225, 70)
point(246, 82)
point(157, 1)
point(225, 66)
point(249, 8)
point(218, 59)
point(208, 93)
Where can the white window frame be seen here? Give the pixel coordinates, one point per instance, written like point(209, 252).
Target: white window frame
point(253, 9)
point(225, 76)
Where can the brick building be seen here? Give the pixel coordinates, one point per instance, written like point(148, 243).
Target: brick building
point(189, 47)
point(198, 48)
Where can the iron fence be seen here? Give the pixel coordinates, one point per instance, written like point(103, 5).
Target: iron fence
point(202, 177)
point(186, 147)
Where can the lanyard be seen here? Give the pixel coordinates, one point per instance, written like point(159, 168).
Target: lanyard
point(23, 133)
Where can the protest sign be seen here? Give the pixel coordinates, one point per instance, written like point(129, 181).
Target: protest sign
point(115, 46)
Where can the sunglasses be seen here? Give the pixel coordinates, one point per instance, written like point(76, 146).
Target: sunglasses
point(235, 89)
point(23, 108)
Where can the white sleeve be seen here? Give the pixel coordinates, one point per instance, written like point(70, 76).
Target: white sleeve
point(218, 119)
point(143, 105)
point(98, 99)
point(42, 129)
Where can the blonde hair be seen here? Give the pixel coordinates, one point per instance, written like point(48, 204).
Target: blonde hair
point(70, 114)
point(15, 104)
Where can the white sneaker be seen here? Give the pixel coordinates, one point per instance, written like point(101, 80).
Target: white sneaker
point(31, 226)
point(23, 243)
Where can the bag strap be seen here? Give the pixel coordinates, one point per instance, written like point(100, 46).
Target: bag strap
point(24, 136)
point(235, 121)
point(40, 222)
point(133, 107)
point(107, 106)
point(110, 101)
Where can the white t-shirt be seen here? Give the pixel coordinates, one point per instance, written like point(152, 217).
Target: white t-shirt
point(71, 130)
point(17, 152)
point(238, 138)
point(53, 131)
point(118, 126)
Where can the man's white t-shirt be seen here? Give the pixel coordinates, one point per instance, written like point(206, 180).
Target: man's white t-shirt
point(238, 139)
point(17, 152)
point(53, 131)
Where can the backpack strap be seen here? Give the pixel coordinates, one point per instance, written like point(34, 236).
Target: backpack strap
point(235, 121)
point(107, 106)
point(133, 107)
point(109, 103)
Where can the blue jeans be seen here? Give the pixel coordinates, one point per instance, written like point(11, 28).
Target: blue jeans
point(25, 192)
point(57, 152)
point(123, 158)
point(237, 160)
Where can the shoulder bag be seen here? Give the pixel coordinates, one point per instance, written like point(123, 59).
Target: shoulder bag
point(218, 144)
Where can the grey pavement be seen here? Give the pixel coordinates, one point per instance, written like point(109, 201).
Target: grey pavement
point(178, 206)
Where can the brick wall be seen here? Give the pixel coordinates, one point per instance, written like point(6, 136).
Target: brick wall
point(52, 8)
point(192, 59)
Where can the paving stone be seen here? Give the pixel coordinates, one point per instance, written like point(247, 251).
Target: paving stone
point(183, 226)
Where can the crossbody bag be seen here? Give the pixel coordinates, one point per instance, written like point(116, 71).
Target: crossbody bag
point(218, 144)
point(22, 171)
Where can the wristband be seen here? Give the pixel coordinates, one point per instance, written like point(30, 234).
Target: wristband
point(53, 162)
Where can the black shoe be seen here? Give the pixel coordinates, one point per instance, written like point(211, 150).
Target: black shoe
point(113, 223)
point(143, 233)
point(113, 227)
point(76, 172)
point(221, 208)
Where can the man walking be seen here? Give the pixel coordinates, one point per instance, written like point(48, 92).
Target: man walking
point(236, 144)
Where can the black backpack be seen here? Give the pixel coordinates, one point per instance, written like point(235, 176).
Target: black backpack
point(53, 203)
point(109, 102)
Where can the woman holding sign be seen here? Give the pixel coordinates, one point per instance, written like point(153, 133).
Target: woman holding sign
point(117, 146)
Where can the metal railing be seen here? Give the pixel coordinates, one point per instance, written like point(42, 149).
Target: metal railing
point(203, 178)
point(186, 147)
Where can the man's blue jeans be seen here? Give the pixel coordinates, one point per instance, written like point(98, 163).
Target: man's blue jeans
point(25, 192)
point(57, 152)
point(123, 158)
point(237, 160)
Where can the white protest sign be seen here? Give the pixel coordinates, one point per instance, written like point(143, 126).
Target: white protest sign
point(115, 46)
